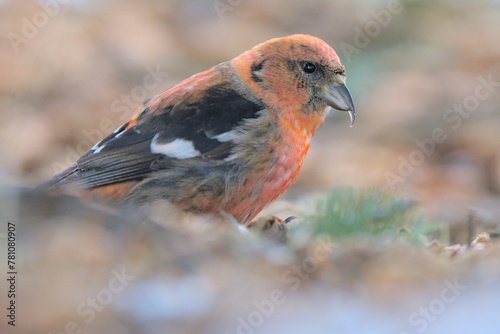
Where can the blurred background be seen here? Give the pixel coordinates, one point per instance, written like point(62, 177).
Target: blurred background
point(424, 75)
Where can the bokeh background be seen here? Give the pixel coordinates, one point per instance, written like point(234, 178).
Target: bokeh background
point(424, 75)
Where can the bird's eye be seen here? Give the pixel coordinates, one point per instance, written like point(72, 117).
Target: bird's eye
point(309, 67)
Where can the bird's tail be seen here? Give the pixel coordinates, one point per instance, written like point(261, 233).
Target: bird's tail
point(58, 180)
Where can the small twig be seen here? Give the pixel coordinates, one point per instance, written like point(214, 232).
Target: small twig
point(240, 227)
point(471, 227)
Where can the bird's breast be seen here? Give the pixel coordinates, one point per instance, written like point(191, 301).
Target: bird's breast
point(278, 168)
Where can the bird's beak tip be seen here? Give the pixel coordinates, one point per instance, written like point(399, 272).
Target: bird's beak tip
point(338, 97)
point(352, 115)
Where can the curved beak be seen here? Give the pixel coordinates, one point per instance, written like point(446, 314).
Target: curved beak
point(338, 97)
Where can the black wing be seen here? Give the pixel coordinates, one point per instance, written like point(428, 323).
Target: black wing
point(203, 128)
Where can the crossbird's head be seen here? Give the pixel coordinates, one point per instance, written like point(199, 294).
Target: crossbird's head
point(296, 74)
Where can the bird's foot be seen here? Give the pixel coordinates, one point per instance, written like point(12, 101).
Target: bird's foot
point(272, 227)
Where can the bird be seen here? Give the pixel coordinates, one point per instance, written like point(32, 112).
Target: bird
point(225, 142)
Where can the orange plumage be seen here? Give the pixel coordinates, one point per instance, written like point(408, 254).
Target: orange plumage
point(228, 140)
